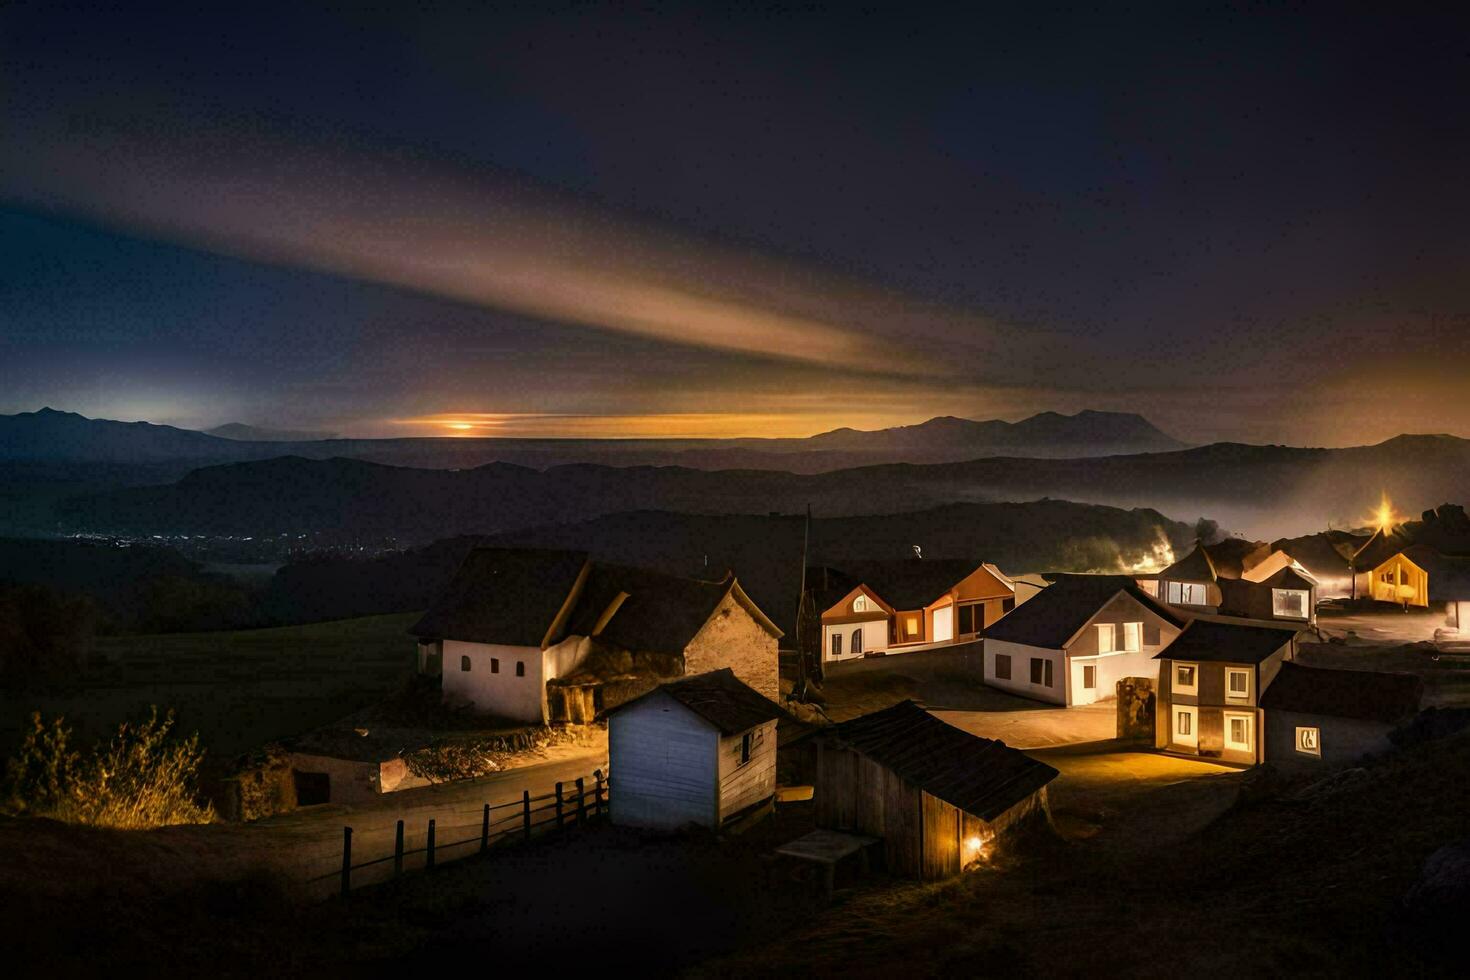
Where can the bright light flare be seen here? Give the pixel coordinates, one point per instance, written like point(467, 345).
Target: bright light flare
point(1384, 517)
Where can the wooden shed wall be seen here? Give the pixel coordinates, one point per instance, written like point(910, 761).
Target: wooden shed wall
point(663, 758)
point(754, 782)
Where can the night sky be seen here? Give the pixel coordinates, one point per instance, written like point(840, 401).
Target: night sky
point(1246, 223)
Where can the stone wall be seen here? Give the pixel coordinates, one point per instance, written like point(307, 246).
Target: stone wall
point(732, 638)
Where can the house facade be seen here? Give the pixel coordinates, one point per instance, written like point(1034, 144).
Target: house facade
point(1072, 642)
point(940, 798)
point(538, 635)
point(696, 751)
point(1210, 685)
point(1320, 716)
point(877, 608)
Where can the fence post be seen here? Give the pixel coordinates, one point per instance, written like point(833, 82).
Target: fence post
point(429, 849)
point(560, 818)
point(485, 828)
point(581, 803)
point(597, 792)
point(398, 850)
point(526, 813)
point(346, 860)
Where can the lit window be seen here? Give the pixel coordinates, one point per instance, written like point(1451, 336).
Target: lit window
point(1185, 723)
point(836, 644)
point(911, 626)
point(1132, 637)
point(1309, 741)
point(1238, 732)
point(1186, 679)
point(1237, 682)
point(1289, 603)
point(1105, 634)
point(464, 664)
point(1151, 586)
point(857, 641)
point(1187, 594)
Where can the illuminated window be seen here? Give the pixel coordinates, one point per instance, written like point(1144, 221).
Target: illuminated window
point(1003, 666)
point(494, 665)
point(836, 644)
point(1187, 594)
point(1238, 732)
point(857, 641)
point(1089, 677)
point(464, 664)
point(1119, 637)
point(1186, 679)
point(1309, 741)
point(911, 626)
point(520, 668)
point(1289, 603)
point(1237, 682)
point(1151, 586)
point(1105, 638)
point(1184, 727)
point(1184, 723)
point(860, 604)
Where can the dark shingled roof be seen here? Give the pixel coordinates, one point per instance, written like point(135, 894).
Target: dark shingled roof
point(1449, 578)
point(906, 583)
point(1055, 614)
point(1193, 567)
point(1379, 549)
point(661, 614)
point(1207, 641)
point(981, 776)
point(503, 595)
point(720, 698)
point(1363, 694)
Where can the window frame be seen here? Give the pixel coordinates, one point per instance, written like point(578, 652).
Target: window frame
point(1306, 601)
point(860, 604)
point(1092, 668)
point(1316, 750)
point(855, 646)
point(1003, 657)
point(1178, 687)
point(494, 665)
point(1249, 720)
point(520, 668)
point(834, 645)
point(1230, 693)
point(464, 663)
point(1109, 630)
point(747, 744)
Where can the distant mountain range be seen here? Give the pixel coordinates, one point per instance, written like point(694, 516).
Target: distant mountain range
point(49, 435)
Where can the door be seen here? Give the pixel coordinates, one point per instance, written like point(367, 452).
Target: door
point(944, 624)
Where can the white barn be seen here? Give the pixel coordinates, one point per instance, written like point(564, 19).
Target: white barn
point(701, 750)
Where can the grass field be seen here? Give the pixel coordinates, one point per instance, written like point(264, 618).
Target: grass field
point(237, 689)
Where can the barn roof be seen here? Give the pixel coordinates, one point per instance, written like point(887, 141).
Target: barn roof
point(1208, 641)
point(1367, 695)
point(504, 595)
point(981, 776)
point(1193, 567)
point(720, 698)
point(1054, 615)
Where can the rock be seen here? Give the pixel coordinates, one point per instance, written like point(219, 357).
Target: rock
point(1443, 888)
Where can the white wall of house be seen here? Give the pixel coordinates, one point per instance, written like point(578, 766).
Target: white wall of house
point(1109, 668)
point(944, 624)
point(875, 638)
point(665, 762)
point(1019, 682)
point(501, 692)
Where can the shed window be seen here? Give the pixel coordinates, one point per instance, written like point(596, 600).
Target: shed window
point(520, 668)
point(836, 645)
point(1041, 671)
point(1309, 741)
point(1289, 603)
point(745, 741)
point(494, 665)
point(464, 664)
point(1002, 666)
point(857, 640)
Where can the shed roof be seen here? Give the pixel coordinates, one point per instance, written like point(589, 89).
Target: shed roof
point(981, 776)
point(1055, 614)
point(1193, 567)
point(1208, 641)
point(504, 595)
point(720, 698)
point(1367, 695)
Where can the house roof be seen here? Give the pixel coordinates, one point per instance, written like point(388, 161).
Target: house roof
point(981, 776)
point(1449, 578)
point(1193, 567)
point(1233, 556)
point(1363, 694)
point(660, 614)
point(1054, 615)
point(1291, 578)
point(1207, 641)
point(504, 595)
point(720, 698)
point(906, 583)
point(1379, 549)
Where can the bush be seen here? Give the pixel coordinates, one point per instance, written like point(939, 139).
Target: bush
point(140, 778)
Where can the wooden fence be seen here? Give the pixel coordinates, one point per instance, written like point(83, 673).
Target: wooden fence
point(568, 806)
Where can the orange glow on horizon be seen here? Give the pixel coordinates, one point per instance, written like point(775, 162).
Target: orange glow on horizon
point(673, 425)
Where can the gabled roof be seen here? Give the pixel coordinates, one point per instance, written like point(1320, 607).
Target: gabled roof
point(720, 698)
point(1207, 641)
point(1193, 567)
point(1054, 615)
point(1367, 695)
point(1379, 549)
point(660, 614)
point(504, 595)
point(981, 776)
point(905, 583)
point(1293, 576)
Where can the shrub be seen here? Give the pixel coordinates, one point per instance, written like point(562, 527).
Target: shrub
point(139, 778)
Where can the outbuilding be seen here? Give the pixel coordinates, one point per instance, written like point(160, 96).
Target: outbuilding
point(939, 797)
point(700, 750)
point(1322, 715)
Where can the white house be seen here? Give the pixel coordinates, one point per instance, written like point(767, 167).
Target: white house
point(1074, 640)
point(524, 633)
point(700, 750)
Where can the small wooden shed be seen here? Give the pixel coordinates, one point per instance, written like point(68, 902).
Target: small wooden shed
point(939, 797)
point(699, 750)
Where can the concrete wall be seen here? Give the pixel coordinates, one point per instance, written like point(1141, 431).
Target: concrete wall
point(502, 694)
point(351, 781)
point(1020, 681)
point(743, 786)
point(664, 763)
point(732, 638)
point(1343, 740)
